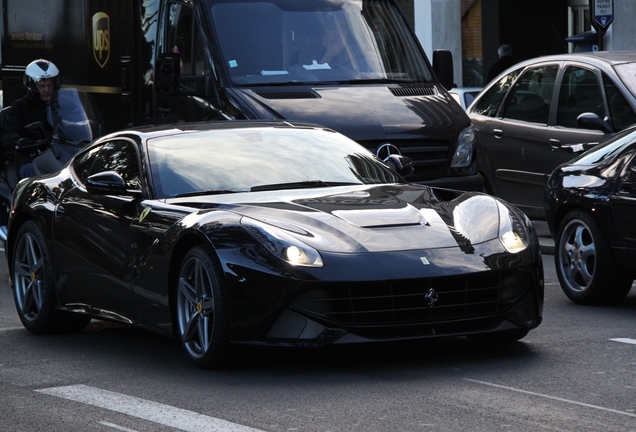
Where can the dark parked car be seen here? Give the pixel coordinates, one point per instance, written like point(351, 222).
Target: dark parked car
point(266, 233)
point(526, 118)
point(590, 205)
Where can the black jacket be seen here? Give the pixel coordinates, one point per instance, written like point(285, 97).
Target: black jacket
point(500, 65)
point(22, 112)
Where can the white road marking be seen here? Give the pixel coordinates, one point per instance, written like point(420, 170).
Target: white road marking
point(625, 340)
point(5, 329)
point(152, 411)
point(552, 397)
point(114, 426)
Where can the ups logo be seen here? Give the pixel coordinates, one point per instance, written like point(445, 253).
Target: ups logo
point(101, 38)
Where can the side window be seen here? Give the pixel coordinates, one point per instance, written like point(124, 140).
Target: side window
point(620, 113)
point(529, 100)
point(580, 92)
point(490, 101)
point(118, 156)
point(82, 164)
point(184, 38)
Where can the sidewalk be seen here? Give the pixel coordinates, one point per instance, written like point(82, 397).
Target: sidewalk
point(545, 239)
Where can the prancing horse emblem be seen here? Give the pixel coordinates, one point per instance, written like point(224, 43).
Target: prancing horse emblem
point(431, 297)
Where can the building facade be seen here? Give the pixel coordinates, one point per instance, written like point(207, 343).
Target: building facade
point(474, 29)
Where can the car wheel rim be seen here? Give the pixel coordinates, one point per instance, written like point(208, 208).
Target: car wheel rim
point(577, 256)
point(195, 308)
point(28, 277)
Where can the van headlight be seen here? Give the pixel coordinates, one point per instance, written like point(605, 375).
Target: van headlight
point(513, 229)
point(282, 244)
point(463, 156)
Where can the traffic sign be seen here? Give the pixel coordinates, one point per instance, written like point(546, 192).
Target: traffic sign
point(602, 14)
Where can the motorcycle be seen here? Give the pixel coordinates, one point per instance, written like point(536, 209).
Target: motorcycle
point(74, 124)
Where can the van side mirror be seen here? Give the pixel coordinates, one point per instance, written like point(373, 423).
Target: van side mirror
point(443, 67)
point(167, 73)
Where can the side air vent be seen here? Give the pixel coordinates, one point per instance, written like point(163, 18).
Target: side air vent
point(413, 91)
point(288, 94)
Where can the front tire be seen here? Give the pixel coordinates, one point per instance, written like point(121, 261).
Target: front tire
point(33, 289)
point(584, 262)
point(202, 321)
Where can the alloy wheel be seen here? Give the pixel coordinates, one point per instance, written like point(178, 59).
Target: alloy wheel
point(28, 277)
point(195, 307)
point(577, 253)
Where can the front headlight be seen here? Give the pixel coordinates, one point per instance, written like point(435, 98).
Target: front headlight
point(283, 245)
point(513, 229)
point(463, 156)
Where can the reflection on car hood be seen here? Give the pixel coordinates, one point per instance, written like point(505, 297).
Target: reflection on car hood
point(362, 112)
point(369, 218)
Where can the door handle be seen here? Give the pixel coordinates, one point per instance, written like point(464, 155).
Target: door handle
point(125, 77)
point(59, 211)
point(555, 143)
point(498, 133)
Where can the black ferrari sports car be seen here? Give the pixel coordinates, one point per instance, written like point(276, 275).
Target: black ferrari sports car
point(268, 233)
point(590, 203)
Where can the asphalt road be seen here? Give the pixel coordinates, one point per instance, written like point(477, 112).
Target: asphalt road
point(576, 372)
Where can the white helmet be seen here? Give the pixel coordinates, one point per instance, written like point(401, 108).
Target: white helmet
point(38, 70)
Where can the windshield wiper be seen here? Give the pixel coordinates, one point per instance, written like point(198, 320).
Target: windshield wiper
point(299, 185)
point(206, 192)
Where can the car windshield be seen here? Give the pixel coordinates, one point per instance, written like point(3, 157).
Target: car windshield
point(607, 148)
point(271, 42)
point(260, 159)
point(627, 73)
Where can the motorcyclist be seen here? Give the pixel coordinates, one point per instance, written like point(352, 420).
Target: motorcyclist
point(41, 80)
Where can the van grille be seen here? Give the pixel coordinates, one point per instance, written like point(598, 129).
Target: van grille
point(288, 94)
point(365, 305)
point(429, 156)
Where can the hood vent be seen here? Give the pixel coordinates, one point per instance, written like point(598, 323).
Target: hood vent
point(288, 94)
point(414, 91)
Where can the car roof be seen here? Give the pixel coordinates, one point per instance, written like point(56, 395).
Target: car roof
point(153, 131)
point(599, 57)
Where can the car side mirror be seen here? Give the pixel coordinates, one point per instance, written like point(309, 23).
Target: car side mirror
point(109, 183)
point(592, 121)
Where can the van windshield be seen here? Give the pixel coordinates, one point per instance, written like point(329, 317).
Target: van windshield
point(270, 42)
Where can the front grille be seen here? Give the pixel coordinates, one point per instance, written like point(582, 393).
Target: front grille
point(429, 156)
point(369, 304)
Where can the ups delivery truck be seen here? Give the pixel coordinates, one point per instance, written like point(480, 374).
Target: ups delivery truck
point(354, 66)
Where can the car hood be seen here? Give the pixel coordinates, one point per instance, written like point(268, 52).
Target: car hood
point(362, 112)
point(369, 218)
